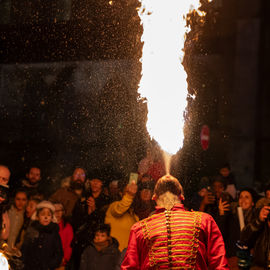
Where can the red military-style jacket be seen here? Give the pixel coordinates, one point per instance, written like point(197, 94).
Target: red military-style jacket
point(176, 239)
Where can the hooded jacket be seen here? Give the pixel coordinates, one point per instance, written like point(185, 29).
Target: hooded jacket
point(105, 259)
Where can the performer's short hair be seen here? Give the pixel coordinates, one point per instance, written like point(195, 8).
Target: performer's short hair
point(170, 184)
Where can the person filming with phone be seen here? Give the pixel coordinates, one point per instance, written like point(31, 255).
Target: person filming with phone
point(215, 197)
point(256, 235)
point(120, 214)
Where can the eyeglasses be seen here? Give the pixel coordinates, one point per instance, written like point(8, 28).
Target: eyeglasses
point(80, 174)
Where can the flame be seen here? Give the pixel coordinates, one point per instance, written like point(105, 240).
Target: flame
point(163, 80)
point(3, 262)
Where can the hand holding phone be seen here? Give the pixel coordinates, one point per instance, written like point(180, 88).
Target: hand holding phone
point(133, 178)
point(132, 188)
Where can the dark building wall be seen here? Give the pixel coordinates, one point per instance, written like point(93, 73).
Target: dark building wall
point(244, 98)
point(262, 159)
point(227, 69)
point(62, 115)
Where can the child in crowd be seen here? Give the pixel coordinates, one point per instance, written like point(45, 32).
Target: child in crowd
point(16, 217)
point(42, 248)
point(103, 253)
point(65, 232)
point(29, 212)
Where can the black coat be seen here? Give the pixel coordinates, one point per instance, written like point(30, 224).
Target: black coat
point(85, 224)
point(256, 235)
point(230, 228)
point(80, 214)
point(106, 259)
point(42, 248)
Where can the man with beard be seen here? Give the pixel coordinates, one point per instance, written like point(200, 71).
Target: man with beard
point(69, 195)
point(31, 184)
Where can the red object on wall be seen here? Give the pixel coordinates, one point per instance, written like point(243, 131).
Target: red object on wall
point(205, 137)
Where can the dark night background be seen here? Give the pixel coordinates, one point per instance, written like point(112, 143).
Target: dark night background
point(68, 90)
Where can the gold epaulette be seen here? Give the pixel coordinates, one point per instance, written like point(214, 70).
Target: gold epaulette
point(173, 238)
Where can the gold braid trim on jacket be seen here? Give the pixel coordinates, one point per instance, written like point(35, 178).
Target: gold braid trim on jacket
point(173, 238)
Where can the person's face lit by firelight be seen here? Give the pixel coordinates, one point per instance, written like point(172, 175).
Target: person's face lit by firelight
point(245, 200)
point(20, 201)
point(34, 175)
point(4, 175)
point(45, 216)
point(59, 212)
point(218, 188)
point(30, 208)
point(79, 175)
point(101, 237)
point(96, 185)
point(224, 172)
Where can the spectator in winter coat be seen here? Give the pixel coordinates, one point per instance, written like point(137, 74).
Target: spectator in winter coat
point(70, 193)
point(120, 215)
point(102, 253)
point(240, 213)
point(31, 183)
point(16, 217)
point(93, 204)
point(88, 213)
point(29, 212)
point(256, 235)
point(65, 232)
point(211, 199)
point(42, 248)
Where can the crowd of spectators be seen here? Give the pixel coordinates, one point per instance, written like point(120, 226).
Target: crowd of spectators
point(81, 225)
point(85, 225)
point(242, 216)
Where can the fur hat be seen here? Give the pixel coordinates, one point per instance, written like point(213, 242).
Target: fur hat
point(45, 204)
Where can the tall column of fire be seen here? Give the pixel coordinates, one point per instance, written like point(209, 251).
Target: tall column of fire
point(163, 80)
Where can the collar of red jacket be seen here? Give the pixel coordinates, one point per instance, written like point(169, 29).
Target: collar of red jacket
point(177, 206)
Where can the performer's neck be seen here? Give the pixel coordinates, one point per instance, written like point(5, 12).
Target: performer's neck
point(167, 200)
